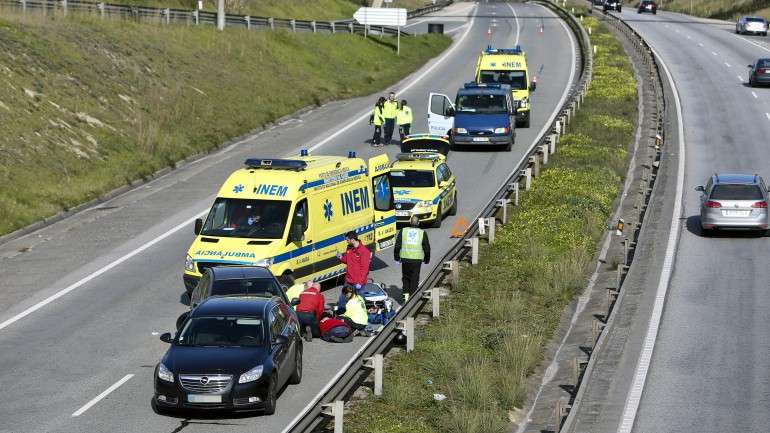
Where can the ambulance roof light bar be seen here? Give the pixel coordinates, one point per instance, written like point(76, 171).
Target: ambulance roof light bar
point(511, 51)
point(276, 164)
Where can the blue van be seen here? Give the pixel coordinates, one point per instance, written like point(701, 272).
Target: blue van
point(481, 115)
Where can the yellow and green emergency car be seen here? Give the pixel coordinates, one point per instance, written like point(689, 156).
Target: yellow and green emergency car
point(291, 216)
point(423, 184)
point(508, 66)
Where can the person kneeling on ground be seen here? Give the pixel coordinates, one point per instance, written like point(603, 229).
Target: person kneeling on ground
point(355, 313)
point(335, 330)
point(309, 310)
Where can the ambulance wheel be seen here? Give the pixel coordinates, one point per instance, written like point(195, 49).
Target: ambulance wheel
point(439, 216)
point(453, 209)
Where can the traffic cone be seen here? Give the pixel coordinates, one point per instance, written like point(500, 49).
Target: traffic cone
point(459, 228)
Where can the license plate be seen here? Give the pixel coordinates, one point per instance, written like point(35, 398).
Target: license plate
point(736, 213)
point(480, 139)
point(195, 398)
point(402, 213)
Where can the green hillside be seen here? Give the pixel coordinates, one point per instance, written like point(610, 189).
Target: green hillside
point(721, 9)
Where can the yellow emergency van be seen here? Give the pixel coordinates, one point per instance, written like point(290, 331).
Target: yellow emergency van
point(291, 216)
point(508, 66)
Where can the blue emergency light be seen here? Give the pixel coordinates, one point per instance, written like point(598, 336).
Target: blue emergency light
point(303, 152)
point(351, 154)
point(475, 85)
point(276, 164)
point(511, 51)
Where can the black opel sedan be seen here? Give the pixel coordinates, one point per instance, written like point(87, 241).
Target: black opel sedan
point(231, 353)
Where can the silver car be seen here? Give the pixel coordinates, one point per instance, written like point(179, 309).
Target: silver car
point(733, 201)
point(754, 25)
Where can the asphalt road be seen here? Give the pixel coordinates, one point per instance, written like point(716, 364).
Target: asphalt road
point(115, 271)
point(710, 370)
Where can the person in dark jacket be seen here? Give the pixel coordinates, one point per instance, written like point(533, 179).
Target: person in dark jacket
point(309, 310)
point(412, 250)
point(335, 330)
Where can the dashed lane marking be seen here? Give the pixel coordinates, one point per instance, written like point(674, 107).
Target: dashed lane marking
point(101, 396)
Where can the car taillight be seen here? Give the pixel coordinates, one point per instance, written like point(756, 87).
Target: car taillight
point(711, 203)
point(760, 204)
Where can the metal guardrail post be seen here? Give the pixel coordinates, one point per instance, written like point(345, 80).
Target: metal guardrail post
point(527, 174)
point(64, 6)
point(23, 6)
point(247, 18)
point(491, 224)
point(473, 244)
point(376, 363)
point(452, 268)
point(535, 161)
point(293, 24)
point(271, 22)
point(503, 205)
point(408, 327)
point(351, 28)
point(331, 24)
point(544, 153)
point(313, 25)
point(196, 17)
point(220, 15)
point(336, 410)
point(167, 15)
point(434, 295)
point(513, 188)
point(552, 143)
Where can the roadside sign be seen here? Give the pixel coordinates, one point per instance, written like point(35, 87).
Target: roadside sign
point(395, 17)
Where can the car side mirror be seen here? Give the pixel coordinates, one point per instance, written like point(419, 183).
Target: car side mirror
point(295, 302)
point(443, 184)
point(450, 112)
point(532, 86)
point(281, 340)
point(700, 188)
point(166, 337)
point(198, 225)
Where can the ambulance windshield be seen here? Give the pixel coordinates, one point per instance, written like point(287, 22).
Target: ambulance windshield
point(239, 218)
point(516, 79)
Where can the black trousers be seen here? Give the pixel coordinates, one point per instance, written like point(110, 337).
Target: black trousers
point(377, 137)
point(354, 325)
point(403, 130)
point(308, 319)
point(410, 275)
point(390, 125)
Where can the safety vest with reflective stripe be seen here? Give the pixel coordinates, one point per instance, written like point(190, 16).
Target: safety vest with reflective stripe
point(411, 244)
point(404, 116)
point(355, 309)
point(390, 109)
point(377, 117)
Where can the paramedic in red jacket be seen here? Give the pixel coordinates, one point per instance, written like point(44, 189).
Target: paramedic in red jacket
point(309, 310)
point(357, 258)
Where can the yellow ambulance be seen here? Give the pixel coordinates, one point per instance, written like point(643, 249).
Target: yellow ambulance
point(508, 66)
point(291, 216)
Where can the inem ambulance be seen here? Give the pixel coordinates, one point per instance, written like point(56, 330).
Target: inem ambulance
point(508, 66)
point(291, 215)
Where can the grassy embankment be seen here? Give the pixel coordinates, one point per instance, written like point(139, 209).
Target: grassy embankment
point(492, 330)
point(87, 105)
point(721, 9)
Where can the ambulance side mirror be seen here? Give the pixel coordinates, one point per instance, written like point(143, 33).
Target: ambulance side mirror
point(198, 226)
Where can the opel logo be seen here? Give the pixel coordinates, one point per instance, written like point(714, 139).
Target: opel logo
point(398, 206)
point(204, 380)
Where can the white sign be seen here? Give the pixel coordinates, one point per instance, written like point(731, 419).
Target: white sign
point(395, 17)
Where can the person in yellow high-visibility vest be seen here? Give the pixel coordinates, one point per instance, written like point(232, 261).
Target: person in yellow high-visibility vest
point(355, 313)
point(389, 112)
point(377, 119)
point(412, 250)
point(404, 119)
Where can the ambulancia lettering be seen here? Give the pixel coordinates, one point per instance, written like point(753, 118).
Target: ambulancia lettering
point(355, 200)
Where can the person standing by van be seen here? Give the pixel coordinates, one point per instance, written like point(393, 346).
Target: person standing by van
point(412, 250)
point(390, 111)
point(357, 258)
point(404, 119)
point(377, 119)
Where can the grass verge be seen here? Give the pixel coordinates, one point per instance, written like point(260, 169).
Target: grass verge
point(492, 331)
point(87, 106)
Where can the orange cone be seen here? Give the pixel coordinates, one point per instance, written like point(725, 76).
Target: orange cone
point(459, 228)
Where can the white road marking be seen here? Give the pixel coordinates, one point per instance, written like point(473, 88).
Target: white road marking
point(518, 27)
point(767, 115)
point(99, 397)
point(689, 37)
point(728, 65)
point(740, 78)
point(714, 53)
point(754, 94)
point(365, 114)
point(645, 357)
point(677, 30)
point(700, 44)
point(754, 43)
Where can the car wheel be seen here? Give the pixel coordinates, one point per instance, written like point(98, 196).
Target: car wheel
point(751, 81)
point(509, 146)
point(453, 209)
point(619, 9)
point(439, 217)
point(271, 400)
point(654, 12)
point(296, 376)
point(764, 33)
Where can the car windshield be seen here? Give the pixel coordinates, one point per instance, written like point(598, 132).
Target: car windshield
point(412, 179)
point(240, 218)
point(482, 104)
point(764, 63)
point(265, 287)
point(516, 79)
point(221, 331)
point(755, 20)
point(736, 192)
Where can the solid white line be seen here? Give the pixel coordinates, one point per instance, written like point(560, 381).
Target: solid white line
point(728, 65)
point(714, 53)
point(767, 115)
point(689, 37)
point(518, 27)
point(753, 43)
point(99, 272)
point(645, 357)
point(365, 114)
point(99, 397)
point(700, 44)
point(740, 78)
point(754, 94)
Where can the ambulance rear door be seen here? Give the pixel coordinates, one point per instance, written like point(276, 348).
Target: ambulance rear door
point(384, 209)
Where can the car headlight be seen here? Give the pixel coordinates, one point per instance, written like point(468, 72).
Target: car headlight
point(265, 263)
point(189, 265)
point(251, 375)
point(501, 130)
point(424, 204)
point(461, 131)
point(165, 374)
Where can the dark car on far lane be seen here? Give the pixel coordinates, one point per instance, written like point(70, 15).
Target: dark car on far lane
point(648, 6)
point(759, 73)
point(232, 353)
point(612, 5)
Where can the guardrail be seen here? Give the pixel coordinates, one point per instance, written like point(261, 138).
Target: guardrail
point(328, 403)
point(200, 17)
point(654, 119)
